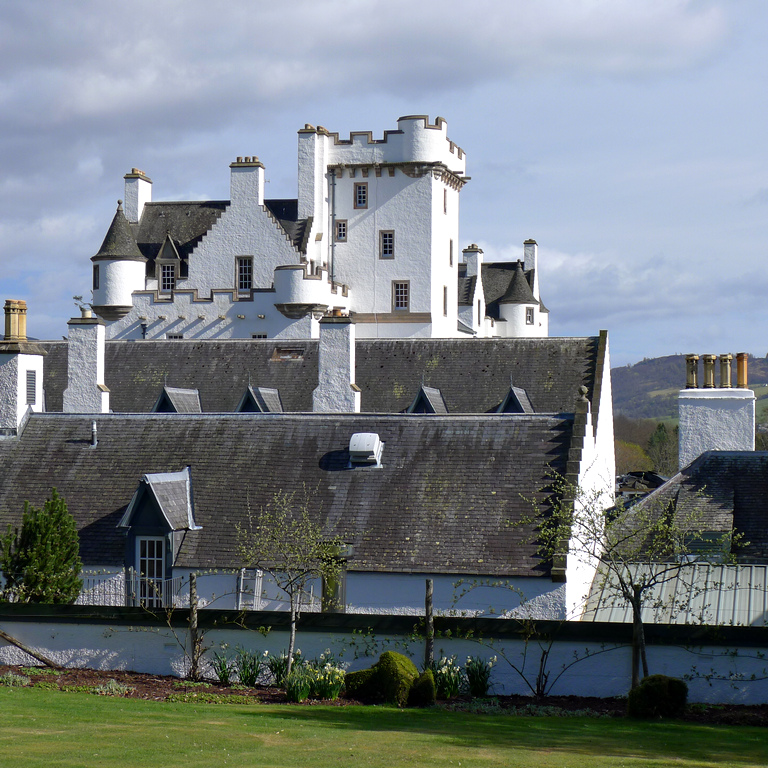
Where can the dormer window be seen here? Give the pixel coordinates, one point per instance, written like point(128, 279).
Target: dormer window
point(167, 277)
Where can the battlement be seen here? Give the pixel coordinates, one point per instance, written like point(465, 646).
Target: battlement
point(415, 140)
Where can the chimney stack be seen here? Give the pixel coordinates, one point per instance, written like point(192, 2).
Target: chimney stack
point(138, 192)
point(86, 391)
point(715, 418)
point(336, 390)
point(21, 370)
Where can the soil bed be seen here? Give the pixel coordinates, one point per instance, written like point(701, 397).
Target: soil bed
point(160, 688)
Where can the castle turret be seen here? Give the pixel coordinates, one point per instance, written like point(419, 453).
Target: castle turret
point(119, 269)
point(519, 307)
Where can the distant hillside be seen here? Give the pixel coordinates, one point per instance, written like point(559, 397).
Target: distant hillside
point(648, 389)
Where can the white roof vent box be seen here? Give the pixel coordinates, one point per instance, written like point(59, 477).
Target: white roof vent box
point(365, 448)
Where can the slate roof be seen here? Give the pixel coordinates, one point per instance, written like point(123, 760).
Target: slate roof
point(185, 222)
point(497, 279)
point(440, 503)
point(119, 242)
point(473, 375)
point(731, 489)
point(519, 291)
point(177, 400)
point(260, 400)
point(173, 493)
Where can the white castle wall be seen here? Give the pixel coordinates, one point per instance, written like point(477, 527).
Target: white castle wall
point(118, 280)
point(85, 392)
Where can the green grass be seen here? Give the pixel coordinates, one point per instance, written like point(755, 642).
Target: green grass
point(51, 729)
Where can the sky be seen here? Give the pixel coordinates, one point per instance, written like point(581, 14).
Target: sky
point(628, 137)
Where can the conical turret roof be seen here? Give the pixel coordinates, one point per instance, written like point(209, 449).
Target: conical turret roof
point(119, 242)
point(519, 291)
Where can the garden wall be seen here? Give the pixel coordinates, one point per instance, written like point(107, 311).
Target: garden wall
point(725, 664)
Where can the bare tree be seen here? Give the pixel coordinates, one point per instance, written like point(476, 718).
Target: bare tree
point(636, 549)
point(285, 541)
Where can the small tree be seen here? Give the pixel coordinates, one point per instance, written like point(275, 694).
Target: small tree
point(285, 542)
point(41, 562)
point(636, 548)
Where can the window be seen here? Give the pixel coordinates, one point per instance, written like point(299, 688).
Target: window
point(400, 297)
point(479, 315)
point(445, 201)
point(150, 557)
point(95, 277)
point(258, 335)
point(174, 336)
point(529, 315)
point(244, 273)
point(445, 301)
point(31, 387)
point(341, 230)
point(450, 253)
point(168, 277)
point(361, 195)
point(386, 244)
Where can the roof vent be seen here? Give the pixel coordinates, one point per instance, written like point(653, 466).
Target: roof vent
point(365, 448)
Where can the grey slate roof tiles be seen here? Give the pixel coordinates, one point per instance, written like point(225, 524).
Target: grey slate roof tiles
point(473, 375)
point(119, 242)
point(440, 502)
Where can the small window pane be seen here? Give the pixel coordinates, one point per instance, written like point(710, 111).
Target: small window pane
point(244, 274)
point(387, 245)
point(95, 277)
point(168, 277)
point(400, 295)
point(361, 195)
point(341, 231)
point(529, 315)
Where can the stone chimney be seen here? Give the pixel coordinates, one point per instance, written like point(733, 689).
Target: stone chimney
point(246, 182)
point(21, 370)
point(531, 261)
point(138, 192)
point(86, 391)
point(715, 418)
point(473, 258)
point(336, 390)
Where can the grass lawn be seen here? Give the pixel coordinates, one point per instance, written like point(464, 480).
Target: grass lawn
point(51, 729)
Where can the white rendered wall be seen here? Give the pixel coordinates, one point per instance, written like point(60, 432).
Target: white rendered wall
point(214, 318)
point(117, 282)
point(516, 325)
point(606, 671)
point(335, 392)
point(13, 387)
point(85, 392)
point(715, 420)
point(138, 192)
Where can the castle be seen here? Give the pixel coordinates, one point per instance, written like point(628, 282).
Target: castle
point(373, 233)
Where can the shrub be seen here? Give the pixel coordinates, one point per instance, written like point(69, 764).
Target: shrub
point(449, 678)
point(478, 673)
point(422, 693)
point(361, 684)
point(395, 677)
point(658, 696)
point(298, 684)
point(278, 666)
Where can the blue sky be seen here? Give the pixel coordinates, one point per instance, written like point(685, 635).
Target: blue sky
point(627, 137)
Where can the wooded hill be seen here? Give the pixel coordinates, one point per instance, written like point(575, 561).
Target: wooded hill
point(649, 389)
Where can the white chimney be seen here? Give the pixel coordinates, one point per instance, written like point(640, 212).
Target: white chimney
point(473, 258)
point(86, 391)
point(531, 261)
point(138, 192)
point(21, 370)
point(246, 182)
point(336, 390)
point(715, 418)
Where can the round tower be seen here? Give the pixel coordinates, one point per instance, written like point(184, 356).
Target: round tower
point(520, 309)
point(118, 269)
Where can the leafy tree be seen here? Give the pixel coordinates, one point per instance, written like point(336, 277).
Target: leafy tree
point(41, 562)
point(662, 449)
point(287, 543)
point(636, 549)
point(630, 457)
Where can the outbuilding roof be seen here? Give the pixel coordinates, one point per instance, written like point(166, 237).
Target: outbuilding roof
point(417, 512)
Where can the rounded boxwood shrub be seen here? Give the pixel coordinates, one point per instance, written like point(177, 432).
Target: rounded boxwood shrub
point(389, 679)
point(658, 696)
point(395, 677)
point(423, 692)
